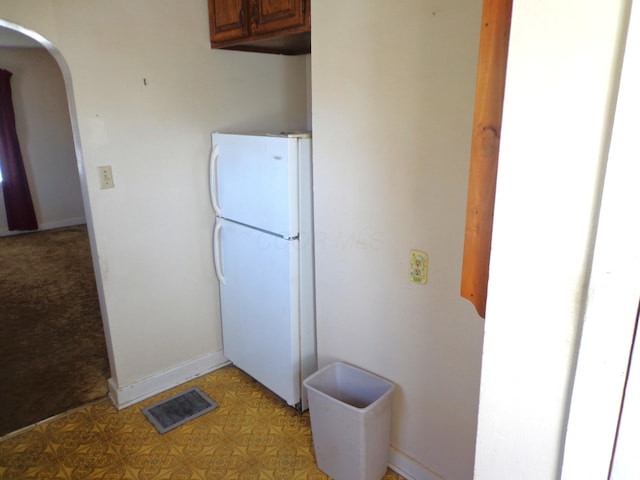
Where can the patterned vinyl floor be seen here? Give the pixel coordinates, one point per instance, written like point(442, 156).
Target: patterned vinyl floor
point(251, 435)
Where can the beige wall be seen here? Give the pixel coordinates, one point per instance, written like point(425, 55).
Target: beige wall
point(152, 232)
point(393, 89)
point(392, 94)
point(44, 130)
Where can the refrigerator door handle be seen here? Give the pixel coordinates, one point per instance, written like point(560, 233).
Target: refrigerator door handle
point(217, 251)
point(213, 180)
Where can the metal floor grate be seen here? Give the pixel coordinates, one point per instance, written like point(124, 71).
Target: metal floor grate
point(179, 409)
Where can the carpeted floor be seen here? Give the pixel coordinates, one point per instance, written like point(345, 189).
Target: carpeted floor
point(52, 348)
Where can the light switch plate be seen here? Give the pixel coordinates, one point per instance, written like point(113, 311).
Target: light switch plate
point(418, 266)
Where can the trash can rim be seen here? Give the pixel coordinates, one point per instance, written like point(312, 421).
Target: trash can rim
point(391, 386)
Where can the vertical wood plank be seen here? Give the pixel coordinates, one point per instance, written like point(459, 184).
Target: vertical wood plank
point(485, 146)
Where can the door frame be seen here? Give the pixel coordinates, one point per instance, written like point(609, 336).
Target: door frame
point(66, 75)
point(613, 289)
point(625, 463)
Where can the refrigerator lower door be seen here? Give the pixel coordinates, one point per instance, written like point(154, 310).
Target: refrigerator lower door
point(260, 305)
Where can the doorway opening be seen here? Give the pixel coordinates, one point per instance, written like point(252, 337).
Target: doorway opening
point(69, 282)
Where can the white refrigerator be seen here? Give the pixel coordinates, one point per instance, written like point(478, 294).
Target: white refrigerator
point(261, 191)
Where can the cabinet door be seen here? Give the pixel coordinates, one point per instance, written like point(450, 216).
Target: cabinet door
point(228, 20)
point(277, 15)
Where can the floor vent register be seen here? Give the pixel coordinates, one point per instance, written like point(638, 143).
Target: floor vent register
point(179, 409)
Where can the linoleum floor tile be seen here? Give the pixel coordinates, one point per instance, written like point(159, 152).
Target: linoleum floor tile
point(251, 435)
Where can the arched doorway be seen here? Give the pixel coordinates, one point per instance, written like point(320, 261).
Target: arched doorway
point(62, 347)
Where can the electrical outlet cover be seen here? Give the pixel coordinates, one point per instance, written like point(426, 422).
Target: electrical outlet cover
point(105, 177)
point(418, 265)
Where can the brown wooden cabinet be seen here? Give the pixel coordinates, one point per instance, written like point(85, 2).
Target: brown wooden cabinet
point(269, 26)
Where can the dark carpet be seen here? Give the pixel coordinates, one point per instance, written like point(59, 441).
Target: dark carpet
point(52, 348)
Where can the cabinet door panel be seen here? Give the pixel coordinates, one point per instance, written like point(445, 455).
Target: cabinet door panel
point(274, 15)
point(228, 20)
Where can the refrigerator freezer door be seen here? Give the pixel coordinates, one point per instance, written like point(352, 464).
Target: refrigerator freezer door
point(254, 181)
point(259, 304)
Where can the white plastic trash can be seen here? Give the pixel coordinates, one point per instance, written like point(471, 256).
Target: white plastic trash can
point(350, 421)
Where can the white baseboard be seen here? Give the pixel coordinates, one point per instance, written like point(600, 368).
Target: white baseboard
point(409, 468)
point(128, 395)
point(67, 222)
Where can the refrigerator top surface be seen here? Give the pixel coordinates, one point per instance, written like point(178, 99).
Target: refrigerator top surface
point(292, 134)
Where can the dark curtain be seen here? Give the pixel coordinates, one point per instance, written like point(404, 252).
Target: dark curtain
point(15, 189)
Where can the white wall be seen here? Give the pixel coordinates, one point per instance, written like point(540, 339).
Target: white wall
point(152, 232)
point(561, 80)
point(393, 92)
point(46, 141)
point(612, 305)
